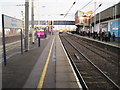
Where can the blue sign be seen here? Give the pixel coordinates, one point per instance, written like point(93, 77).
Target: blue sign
point(115, 27)
point(41, 33)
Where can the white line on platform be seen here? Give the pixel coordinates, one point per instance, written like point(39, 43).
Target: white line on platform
point(78, 82)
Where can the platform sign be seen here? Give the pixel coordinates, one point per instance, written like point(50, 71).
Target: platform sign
point(10, 22)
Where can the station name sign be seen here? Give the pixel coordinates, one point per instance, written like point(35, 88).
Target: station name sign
point(10, 22)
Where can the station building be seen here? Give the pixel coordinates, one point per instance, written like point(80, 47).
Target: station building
point(107, 20)
point(82, 21)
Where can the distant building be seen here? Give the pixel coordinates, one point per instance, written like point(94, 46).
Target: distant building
point(82, 20)
point(107, 20)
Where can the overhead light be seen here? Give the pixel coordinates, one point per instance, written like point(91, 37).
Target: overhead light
point(100, 5)
point(62, 14)
point(43, 6)
point(74, 3)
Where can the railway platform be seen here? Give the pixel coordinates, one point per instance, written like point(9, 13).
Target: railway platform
point(42, 67)
point(110, 46)
point(93, 63)
point(65, 75)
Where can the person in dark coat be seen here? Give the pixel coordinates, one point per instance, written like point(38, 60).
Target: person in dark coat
point(88, 33)
point(93, 35)
point(109, 36)
point(99, 36)
point(103, 36)
point(113, 36)
point(106, 36)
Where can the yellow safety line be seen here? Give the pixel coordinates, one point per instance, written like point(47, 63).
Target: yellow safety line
point(41, 39)
point(40, 84)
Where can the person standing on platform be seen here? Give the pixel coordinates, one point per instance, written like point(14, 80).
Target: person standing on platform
point(106, 36)
point(103, 36)
point(99, 36)
point(113, 36)
point(109, 36)
point(89, 34)
point(93, 35)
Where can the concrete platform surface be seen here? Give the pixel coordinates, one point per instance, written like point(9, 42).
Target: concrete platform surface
point(42, 67)
point(65, 77)
point(19, 67)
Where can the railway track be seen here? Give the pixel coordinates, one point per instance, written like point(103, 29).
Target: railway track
point(112, 57)
point(101, 58)
point(94, 78)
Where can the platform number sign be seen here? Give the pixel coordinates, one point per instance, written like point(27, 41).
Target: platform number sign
point(10, 22)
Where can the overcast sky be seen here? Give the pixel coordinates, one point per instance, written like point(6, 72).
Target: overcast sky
point(51, 9)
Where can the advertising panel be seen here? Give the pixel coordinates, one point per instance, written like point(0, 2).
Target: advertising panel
point(38, 33)
point(41, 33)
point(115, 27)
point(104, 27)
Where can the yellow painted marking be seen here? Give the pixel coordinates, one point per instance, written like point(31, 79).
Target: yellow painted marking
point(40, 84)
point(41, 39)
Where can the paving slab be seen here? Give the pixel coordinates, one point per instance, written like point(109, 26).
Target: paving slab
point(65, 77)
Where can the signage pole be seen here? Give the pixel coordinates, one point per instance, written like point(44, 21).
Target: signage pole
point(39, 42)
point(3, 40)
point(32, 20)
point(94, 16)
point(51, 27)
point(26, 25)
point(21, 42)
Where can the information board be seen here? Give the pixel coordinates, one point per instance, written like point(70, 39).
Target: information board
point(10, 22)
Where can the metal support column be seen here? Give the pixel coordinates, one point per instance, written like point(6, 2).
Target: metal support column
point(26, 25)
point(32, 20)
point(94, 16)
point(3, 40)
point(21, 41)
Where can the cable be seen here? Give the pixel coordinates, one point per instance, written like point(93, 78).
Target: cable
point(70, 8)
point(80, 9)
point(98, 7)
point(86, 4)
point(38, 12)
